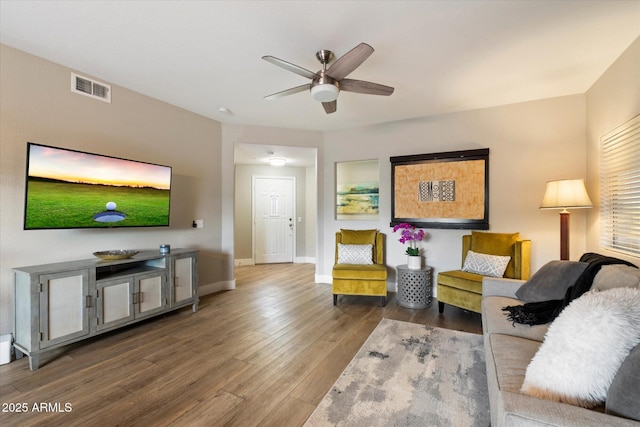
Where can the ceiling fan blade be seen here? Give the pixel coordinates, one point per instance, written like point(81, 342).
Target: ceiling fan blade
point(349, 61)
point(367, 88)
point(290, 67)
point(330, 107)
point(291, 91)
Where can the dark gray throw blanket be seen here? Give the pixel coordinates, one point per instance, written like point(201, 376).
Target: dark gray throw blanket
point(538, 313)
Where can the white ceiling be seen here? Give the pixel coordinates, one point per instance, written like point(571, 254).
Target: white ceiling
point(441, 56)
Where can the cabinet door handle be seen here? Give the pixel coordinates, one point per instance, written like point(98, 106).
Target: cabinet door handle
point(134, 296)
point(87, 301)
point(140, 297)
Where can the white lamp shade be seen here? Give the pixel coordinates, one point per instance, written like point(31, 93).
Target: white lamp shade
point(566, 193)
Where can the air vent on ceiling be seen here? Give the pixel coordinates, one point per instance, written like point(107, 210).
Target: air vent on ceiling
point(88, 87)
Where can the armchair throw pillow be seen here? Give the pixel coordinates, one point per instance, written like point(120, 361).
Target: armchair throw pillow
point(355, 254)
point(496, 244)
point(487, 265)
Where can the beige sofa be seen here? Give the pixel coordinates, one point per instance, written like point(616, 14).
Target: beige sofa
point(508, 351)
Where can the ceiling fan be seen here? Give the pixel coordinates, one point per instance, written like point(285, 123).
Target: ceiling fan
point(327, 83)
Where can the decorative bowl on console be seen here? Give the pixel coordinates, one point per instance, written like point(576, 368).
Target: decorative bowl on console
point(115, 254)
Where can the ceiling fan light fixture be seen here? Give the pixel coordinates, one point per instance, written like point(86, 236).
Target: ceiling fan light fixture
point(326, 92)
point(327, 83)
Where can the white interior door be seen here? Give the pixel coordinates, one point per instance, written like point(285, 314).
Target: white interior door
point(273, 219)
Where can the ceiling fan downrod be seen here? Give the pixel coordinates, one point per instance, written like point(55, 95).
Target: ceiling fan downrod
point(324, 56)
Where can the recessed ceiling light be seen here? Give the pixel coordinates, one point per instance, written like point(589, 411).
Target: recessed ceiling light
point(224, 110)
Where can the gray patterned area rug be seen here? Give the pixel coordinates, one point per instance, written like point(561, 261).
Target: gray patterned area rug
point(407, 374)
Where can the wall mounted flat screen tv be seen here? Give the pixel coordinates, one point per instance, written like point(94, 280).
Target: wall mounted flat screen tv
point(73, 189)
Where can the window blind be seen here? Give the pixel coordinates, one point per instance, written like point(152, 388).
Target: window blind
point(620, 188)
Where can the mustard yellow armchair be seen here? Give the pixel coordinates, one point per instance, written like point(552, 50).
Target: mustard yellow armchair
point(352, 273)
point(464, 289)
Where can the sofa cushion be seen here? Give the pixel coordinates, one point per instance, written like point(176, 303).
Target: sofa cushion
point(623, 398)
point(355, 254)
point(551, 281)
point(584, 348)
point(616, 276)
point(494, 320)
point(484, 264)
point(511, 355)
point(496, 244)
point(358, 237)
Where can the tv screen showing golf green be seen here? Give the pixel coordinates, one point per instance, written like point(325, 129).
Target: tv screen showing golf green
point(73, 189)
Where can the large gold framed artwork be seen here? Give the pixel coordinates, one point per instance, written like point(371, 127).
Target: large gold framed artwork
point(441, 190)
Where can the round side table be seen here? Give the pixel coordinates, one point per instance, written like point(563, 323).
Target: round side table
point(414, 287)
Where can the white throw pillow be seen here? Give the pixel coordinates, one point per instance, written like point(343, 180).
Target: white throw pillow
point(355, 254)
point(584, 348)
point(487, 265)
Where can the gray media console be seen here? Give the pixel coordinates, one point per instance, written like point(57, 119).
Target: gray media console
point(57, 304)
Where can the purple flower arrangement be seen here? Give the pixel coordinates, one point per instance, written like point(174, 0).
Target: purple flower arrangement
point(409, 234)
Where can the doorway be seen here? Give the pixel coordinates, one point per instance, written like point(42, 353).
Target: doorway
point(251, 160)
point(273, 219)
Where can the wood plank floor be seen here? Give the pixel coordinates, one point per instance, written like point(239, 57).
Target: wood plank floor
point(263, 354)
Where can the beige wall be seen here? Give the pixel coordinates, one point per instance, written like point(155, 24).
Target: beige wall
point(611, 101)
point(530, 143)
point(36, 105)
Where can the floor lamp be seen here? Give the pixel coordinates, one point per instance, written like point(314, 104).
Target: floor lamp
point(565, 194)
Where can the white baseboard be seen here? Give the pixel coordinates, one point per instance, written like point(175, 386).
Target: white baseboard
point(321, 278)
point(247, 261)
point(212, 288)
point(304, 260)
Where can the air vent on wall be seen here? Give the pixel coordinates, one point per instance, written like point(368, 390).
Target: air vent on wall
point(88, 87)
